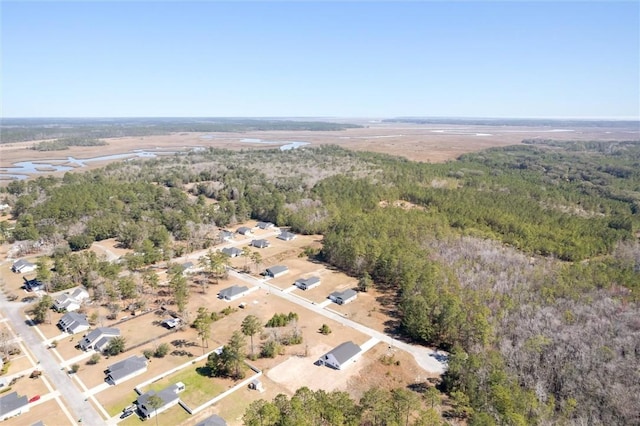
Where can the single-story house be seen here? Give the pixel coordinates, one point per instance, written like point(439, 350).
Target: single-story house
point(171, 322)
point(73, 322)
point(232, 251)
point(276, 271)
point(244, 230)
point(260, 243)
point(12, 405)
point(233, 292)
point(307, 283)
point(98, 339)
point(286, 236)
point(126, 369)
point(71, 302)
point(168, 395)
point(33, 284)
point(341, 356)
point(226, 235)
point(214, 420)
point(188, 267)
point(21, 266)
point(265, 225)
point(343, 297)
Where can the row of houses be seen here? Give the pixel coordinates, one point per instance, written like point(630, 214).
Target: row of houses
point(97, 339)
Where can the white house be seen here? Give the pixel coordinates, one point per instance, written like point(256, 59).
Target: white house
point(276, 271)
point(232, 293)
point(307, 283)
point(265, 225)
point(71, 302)
point(126, 369)
point(232, 251)
point(98, 339)
point(341, 356)
point(260, 243)
point(243, 230)
point(73, 322)
point(169, 397)
point(286, 236)
point(12, 405)
point(343, 297)
point(21, 266)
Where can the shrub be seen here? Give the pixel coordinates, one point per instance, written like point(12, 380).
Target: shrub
point(325, 329)
point(95, 358)
point(148, 353)
point(161, 351)
point(270, 349)
point(75, 368)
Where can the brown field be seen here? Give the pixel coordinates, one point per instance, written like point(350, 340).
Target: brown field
point(49, 412)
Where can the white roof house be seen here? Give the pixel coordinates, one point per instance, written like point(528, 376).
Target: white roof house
point(98, 339)
point(21, 266)
point(307, 283)
point(341, 356)
point(73, 322)
point(343, 297)
point(126, 369)
point(233, 292)
point(71, 302)
point(276, 271)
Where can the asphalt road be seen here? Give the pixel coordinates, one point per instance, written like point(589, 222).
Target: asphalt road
point(75, 401)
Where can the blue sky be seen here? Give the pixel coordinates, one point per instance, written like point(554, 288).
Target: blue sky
point(331, 59)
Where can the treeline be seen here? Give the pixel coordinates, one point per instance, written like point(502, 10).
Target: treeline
point(65, 143)
point(20, 130)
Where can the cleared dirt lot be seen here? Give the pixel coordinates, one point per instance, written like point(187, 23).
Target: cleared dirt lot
point(49, 412)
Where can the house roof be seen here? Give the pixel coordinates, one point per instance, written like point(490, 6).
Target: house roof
point(344, 295)
point(260, 243)
point(345, 351)
point(126, 367)
point(80, 294)
point(21, 263)
point(286, 235)
point(243, 229)
point(74, 320)
point(277, 269)
point(33, 284)
point(226, 234)
point(264, 225)
point(99, 333)
point(11, 402)
point(231, 251)
point(213, 420)
point(232, 291)
point(167, 395)
point(308, 281)
point(187, 265)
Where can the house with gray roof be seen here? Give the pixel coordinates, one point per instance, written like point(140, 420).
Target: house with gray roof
point(307, 283)
point(343, 297)
point(276, 271)
point(286, 236)
point(12, 405)
point(214, 420)
point(260, 243)
point(126, 369)
point(226, 235)
point(73, 322)
point(244, 230)
point(168, 395)
point(98, 339)
point(71, 302)
point(265, 225)
point(232, 251)
point(341, 356)
point(232, 293)
point(21, 266)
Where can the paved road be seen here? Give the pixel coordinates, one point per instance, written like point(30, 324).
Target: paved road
point(425, 357)
point(76, 403)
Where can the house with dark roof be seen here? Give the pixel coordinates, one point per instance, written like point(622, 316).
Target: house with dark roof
point(21, 266)
point(71, 302)
point(232, 251)
point(73, 322)
point(98, 339)
point(260, 243)
point(286, 236)
point(33, 284)
point(276, 271)
point(232, 293)
point(226, 235)
point(307, 283)
point(341, 356)
point(12, 405)
point(265, 225)
point(168, 395)
point(244, 230)
point(213, 420)
point(126, 369)
point(343, 297)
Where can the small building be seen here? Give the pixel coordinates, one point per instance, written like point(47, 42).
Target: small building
point(260, 243)
point(276, 271)
point(171, 322)
point(244, 230)
point(307, 283)
point(256, 384)
point(341, 356)
point(33, 284)
point(21, 266)
point(168, 395)
point(71, 302)
point(12, 405)
point(98, 339)
point(188, 267)
point(126, 369)
point(265, 225)
point(286, 236)
point(213, 420)
point(226, 235)
point(343, 297)
point(73, 322)
point(232, 251)
point(232, 293)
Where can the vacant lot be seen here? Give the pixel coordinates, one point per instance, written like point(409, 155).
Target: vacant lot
point(48, 412)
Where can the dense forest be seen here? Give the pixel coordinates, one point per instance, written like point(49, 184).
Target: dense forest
point(523, 262)
point(28, 129)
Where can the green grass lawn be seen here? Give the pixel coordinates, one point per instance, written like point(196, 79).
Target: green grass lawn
point(116, 408)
